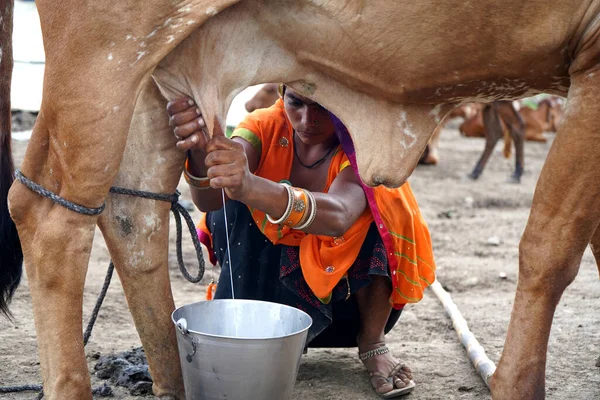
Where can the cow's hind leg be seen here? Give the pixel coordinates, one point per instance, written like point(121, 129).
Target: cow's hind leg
point(136, 231)
point(78, 166)
point(74, 152)
point(564, 216)
point(96, 60)
point(493, 132)
point(516, 129)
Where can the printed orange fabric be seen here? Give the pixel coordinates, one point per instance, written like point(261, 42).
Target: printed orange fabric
point(406, 236)
point(325, 260)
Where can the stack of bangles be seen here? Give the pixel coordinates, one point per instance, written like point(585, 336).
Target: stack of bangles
point(200, 183)
point(301, 209)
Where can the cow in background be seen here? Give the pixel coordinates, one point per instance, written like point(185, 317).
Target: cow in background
point(534, 122)
point(545, 116)
point(474, 126)
point(499, 117)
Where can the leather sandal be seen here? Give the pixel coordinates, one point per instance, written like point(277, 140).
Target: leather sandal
point(378, 378)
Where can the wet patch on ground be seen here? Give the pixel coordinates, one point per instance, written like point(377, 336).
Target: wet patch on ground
point(128, 369)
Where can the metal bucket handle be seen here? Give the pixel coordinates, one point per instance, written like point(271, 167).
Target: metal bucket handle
point(182, 328)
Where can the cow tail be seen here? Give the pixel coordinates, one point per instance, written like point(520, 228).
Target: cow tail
point(11, 255)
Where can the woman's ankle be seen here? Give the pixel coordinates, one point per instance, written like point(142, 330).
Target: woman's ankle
point(369, 342)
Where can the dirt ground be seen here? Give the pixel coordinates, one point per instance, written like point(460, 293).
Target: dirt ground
point(462, 216)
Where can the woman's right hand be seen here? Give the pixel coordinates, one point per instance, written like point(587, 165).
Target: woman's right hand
point(188, 124)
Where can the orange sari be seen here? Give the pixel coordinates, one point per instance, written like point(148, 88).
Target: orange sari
point(325, 260)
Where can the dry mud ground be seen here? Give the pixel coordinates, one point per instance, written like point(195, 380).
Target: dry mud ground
point(462, 215)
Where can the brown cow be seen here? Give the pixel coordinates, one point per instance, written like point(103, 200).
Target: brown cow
point(465, 111)
point(387, 75)
point(493, 121)
point(535, 122)
point(473, 126)
point(545, 118)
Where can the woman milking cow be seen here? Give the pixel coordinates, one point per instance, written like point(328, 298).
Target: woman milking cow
point(305, 231)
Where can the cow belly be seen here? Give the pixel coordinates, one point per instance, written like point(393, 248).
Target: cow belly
point(482, 51)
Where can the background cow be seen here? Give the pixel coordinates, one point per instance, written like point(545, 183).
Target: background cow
point(493, 121)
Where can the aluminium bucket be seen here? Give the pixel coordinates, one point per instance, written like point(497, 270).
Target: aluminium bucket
point(240, 349)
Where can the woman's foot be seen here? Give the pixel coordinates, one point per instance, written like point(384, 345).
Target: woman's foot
point(389, 376)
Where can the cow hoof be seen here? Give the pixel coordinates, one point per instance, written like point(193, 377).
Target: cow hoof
point(514, 179)
point(473, 176)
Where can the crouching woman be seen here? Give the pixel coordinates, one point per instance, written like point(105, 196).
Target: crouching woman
point(303, 229)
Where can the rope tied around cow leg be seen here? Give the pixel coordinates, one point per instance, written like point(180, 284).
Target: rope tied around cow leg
point(177, 209)
point(42, 191)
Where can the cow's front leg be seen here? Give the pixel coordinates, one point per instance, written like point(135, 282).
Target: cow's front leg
point(564, 216)
point(136, 231)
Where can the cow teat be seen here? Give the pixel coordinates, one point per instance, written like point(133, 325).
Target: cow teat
point(391, 183)
point(217, 129)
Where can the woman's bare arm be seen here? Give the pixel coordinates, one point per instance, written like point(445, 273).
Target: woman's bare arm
point(336, 210)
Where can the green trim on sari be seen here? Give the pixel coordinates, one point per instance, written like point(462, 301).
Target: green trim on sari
point(250, 137)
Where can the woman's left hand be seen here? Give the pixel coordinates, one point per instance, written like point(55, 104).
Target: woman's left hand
point(228, 167)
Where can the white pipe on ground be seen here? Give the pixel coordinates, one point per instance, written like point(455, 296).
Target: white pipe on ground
point(484, 366)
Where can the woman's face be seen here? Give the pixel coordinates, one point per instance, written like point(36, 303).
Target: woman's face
point(312, 123)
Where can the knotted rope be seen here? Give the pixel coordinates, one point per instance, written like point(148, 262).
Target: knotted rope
point(177, 209)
